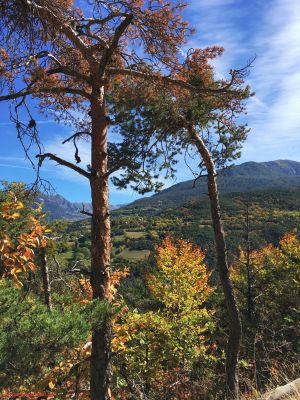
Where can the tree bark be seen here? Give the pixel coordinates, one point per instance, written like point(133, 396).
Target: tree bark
point(45, 278)
point(100, 366)
point(250, 301)
point(235, 326)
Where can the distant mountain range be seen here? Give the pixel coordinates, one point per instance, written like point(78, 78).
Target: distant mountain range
point(59, 207)
point(249, 176)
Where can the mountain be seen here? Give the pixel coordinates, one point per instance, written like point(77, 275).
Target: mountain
point(58, 207)
point(246, 177)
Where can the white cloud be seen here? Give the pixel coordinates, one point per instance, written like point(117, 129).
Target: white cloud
point(14, 162)
point(13, 159)
point(198, 4)
point(271, 31)
point(13, 166)
point(275, 122)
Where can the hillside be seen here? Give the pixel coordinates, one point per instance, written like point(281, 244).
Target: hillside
point(136, 231)
point(246, 177)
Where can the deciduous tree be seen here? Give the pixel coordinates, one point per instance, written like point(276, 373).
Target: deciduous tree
point(18, 253)
point(156, 346)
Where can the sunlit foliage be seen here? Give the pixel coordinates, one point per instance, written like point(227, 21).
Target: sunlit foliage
point(156, 346)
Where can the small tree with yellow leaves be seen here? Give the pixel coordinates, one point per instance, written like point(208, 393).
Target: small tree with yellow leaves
point(19, 245)
point(157, 349)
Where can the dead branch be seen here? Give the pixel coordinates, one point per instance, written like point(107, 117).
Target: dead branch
point(63, 162)
point(83, 211)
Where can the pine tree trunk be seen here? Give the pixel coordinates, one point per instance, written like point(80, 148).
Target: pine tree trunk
point(235, 326)
point(100, 366)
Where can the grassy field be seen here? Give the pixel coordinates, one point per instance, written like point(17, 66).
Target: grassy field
point(134, 255)
point(134, 235)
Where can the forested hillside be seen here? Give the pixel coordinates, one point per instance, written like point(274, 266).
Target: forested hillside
point(246, 177)
point(263, 222)
point(136, 229)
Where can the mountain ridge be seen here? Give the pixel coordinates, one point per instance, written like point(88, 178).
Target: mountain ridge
point(245, 177)
point(58, 207)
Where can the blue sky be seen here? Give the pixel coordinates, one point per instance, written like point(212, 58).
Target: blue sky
point(269, 30)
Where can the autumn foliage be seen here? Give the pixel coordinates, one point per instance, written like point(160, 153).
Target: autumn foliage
point(168, 345)
point(121, 62)
point(18, 254)
point(273, 330)
point(157, 349)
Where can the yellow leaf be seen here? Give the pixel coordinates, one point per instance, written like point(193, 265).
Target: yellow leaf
point(19, 205)
point(51, 385)
point(14, 216)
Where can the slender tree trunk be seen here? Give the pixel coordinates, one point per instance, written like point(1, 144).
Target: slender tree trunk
point(45, 278)
point(235, 326)
point(250, 302)
point(100, 366)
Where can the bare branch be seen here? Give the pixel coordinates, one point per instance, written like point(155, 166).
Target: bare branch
point(55, 90)
point(74, 138)
point(97, 21)
point(76, 135)
point(63, 162)
point(85, 212)
point(82, 271)
point(115, 42)
point(58, 271)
